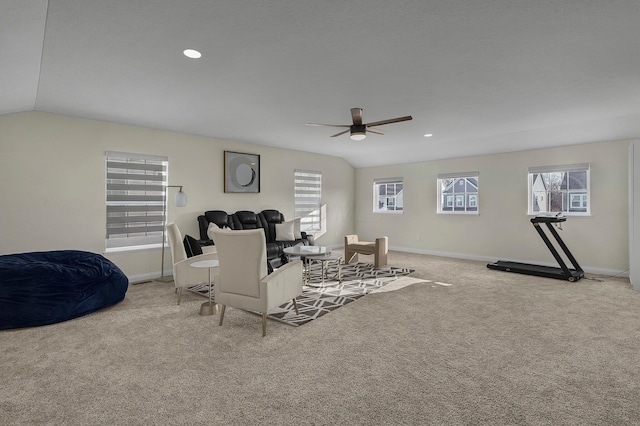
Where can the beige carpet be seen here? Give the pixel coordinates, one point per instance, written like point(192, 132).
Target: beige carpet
point(461, 345)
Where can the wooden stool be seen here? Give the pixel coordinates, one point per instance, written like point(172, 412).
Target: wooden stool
point(378, 249)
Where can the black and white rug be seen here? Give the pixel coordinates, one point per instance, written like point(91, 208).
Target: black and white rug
point(358, 279)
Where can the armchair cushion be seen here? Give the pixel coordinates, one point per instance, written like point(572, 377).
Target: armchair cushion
point(191, 246)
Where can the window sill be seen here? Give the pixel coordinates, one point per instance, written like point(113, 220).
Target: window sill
point(563, 214)
point(126, 249)
point(389, 211)
point(462, 213)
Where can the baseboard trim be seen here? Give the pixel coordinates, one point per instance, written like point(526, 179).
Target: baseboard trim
point(139, 278)
point(588, 269)
point(150, 276)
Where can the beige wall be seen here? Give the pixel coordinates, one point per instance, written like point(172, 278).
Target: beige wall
point(52, 175)
point(502, 229)
point(52, 184)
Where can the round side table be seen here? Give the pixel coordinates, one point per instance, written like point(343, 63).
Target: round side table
point(324, 261)
point(207, 308)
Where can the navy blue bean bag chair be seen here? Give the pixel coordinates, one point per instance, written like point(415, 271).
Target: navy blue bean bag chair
point(43, 288)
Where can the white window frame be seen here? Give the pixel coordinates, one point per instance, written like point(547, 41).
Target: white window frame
point(450, 201)
point(134, 197)
point(308, 200)
point(458, 200)
point(581, 198)
point(567, 195)
point(390, 204)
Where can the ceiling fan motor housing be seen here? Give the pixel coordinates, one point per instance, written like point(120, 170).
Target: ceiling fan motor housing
point(358, 131)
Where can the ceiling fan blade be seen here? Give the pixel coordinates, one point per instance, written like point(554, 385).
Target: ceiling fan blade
point(341, 133)
point(356, 116)
point(328, 125)
point(391, 120)
point(378, 131)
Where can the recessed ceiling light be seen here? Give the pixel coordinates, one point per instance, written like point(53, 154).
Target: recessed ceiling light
point(193, 54)
point(428, 135)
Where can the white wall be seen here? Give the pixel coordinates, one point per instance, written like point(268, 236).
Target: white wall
point(502, 229)
point(52, 184)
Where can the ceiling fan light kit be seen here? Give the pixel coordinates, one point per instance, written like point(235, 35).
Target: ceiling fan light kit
point(358, 130)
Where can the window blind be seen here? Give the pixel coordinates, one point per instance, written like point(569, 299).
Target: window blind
point(134, 199)
point(458, 175)
point(378, 181)
point(563, 168)
point(308, 199)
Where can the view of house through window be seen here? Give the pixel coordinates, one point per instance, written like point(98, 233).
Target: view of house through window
point(135, 199)
point(388, 195)
point(458, 192)
point(308, 199)
point(559, 189)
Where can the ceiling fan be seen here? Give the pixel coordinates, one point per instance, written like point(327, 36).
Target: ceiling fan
point(359, 129)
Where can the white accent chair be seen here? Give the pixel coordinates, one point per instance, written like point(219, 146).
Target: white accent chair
point(183, 274)
point(243, 281)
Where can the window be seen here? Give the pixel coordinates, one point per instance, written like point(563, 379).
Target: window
point(308, 199)
point(559, 189)
point(387, 195)
point(458, 192)
point(135, 199)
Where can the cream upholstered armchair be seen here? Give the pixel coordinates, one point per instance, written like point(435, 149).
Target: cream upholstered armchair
point(243, 282)
point(379, 249)
point(183, 274)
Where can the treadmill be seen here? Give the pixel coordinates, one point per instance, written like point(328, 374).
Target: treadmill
point(561, 273)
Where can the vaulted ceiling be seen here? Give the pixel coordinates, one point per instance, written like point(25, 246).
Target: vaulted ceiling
point(482, 76)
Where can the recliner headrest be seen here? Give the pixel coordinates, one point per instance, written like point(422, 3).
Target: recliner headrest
point(218, 217)
point(247, 217)
point(273, 216)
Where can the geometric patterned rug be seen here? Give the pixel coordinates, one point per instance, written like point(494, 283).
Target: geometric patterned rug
point(358, 279)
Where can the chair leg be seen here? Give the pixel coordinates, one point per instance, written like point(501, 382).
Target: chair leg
point(381, 250)
point(295, 306)
point(179, 294)
point(222, 314)
point(264, 324)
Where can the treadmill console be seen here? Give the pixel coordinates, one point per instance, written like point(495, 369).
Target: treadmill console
point(548, 219)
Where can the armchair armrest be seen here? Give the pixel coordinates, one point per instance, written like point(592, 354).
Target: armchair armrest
point(209, 250)
point(282, 284)
point(184, 275)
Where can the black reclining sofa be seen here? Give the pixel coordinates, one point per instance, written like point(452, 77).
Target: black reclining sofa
point(265, 220)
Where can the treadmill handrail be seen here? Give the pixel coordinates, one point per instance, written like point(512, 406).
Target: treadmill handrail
point(548, 219)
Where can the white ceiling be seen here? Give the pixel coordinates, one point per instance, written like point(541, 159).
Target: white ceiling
point(484, 76)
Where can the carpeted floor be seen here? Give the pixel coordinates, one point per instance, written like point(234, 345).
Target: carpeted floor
point(470, 346)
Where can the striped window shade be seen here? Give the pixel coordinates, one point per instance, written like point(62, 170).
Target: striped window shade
point(135, 199)
point(308, 199)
